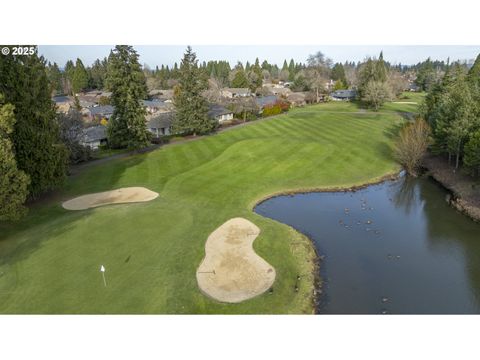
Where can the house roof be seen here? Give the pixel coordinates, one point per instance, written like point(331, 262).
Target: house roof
point(344, 94)
point(266, 100)
point(86, 103)
point(296, 96)
point(94, 133)
point(61, 99)
point(283, 91)
point(101, 110)
point(154, 103)
point(162, 120)
point(218, 110)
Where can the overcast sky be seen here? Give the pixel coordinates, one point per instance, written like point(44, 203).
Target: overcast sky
point(153, 55)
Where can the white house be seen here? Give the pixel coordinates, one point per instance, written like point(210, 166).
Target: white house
point(230, 93)
point(94, 136)
point(160, 124)
point(153, 106)
point(220, 113)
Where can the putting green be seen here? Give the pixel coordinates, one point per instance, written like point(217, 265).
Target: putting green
point(50, 260)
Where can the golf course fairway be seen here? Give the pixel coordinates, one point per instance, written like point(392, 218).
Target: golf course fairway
point(50, 260)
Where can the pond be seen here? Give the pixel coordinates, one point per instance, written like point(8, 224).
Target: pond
point(397, 247)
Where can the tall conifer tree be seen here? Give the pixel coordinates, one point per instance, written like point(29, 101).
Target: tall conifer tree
point(125, 78)
point(191, 107)
point(36, 138)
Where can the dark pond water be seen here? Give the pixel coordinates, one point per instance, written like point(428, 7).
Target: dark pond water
point(396, 247)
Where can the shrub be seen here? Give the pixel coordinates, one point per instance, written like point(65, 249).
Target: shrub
point(275, 109)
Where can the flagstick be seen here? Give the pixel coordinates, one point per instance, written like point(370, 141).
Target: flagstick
point(102, 270)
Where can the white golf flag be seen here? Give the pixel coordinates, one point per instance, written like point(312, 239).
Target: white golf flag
point(102, 269)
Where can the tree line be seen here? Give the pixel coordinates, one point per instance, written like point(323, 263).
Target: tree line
point(452, 109)
point(36, 143)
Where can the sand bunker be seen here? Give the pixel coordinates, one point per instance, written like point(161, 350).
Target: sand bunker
point(405, 102)
point(231, 270)
point(118, 196)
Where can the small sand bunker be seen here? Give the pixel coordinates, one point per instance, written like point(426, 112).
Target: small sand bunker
point(118, 196)
point(231, 270)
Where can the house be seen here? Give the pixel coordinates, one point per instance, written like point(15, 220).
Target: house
point(163, 95)
point(297, 99)
point(282, 91)
point(279, 85)
point(100, 112)
point(94, 96)
point(413, 87)
point(329, 85)
point(61, 99)
point(343, 95)
point(220, 113)
point(64, 107)
point(94, 137)
point(230, 93)
point(63, 103)
point(153, 106)
point(86, 104)
point(263, 101)
point(160, 124)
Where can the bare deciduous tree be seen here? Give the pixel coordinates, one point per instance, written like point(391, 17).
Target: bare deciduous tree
point(397, 82)
point(375, 93)
point(214, 92)
point(245, 105)
point(412, 145)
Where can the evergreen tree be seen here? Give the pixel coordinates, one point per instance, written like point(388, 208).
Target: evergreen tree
point(38, 148)
point(472, 154)
point(126, 80)
point(266, 66)
point(240, 79)
point(291, 70)
point(68, 77)
point(255, 76)
point(13, 182)
point(191, 107)
point(373, 71)
point(473, 76)
point(338, 73)
point(97, 74)
point(55, 78)
point(426, 77)
point(69, 69)
point(80, 77)
point(452, 113)
point(381, 69)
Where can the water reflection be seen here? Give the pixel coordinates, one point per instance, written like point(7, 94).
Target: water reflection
point(404, 193)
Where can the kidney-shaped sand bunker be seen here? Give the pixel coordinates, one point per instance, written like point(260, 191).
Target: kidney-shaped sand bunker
point(118, 196)
point(231, 270)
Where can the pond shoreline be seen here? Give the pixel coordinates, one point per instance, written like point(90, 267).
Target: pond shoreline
point(465, 191)
point(317, 279)
point(375, 269)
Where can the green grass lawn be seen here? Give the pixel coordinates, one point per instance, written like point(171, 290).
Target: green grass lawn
point(49, 262)
point(407, 102)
